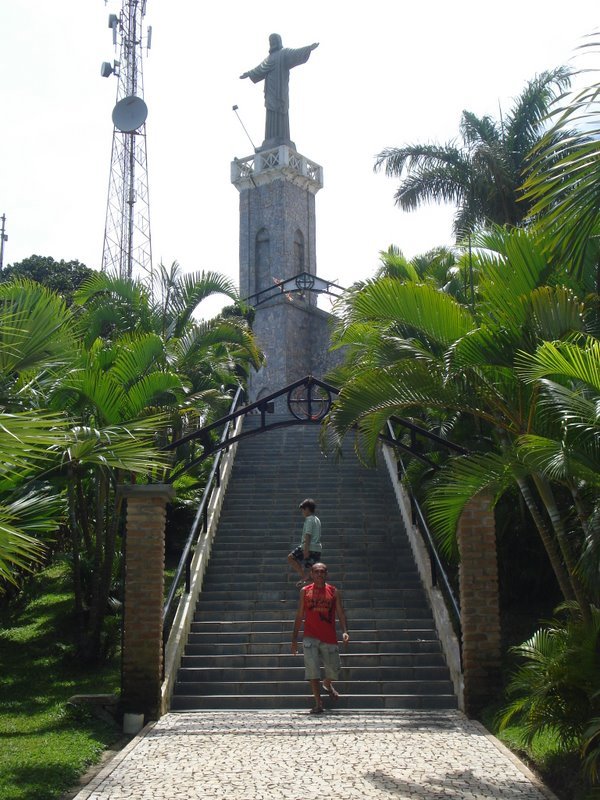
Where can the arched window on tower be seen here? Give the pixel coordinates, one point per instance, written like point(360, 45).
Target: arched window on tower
point(299, 265)
point(262, 260)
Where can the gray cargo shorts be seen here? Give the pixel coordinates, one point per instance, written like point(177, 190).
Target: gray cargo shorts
point(315, 652)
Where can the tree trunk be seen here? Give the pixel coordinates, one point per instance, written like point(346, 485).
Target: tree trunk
point(111, 525)
point(82, 516)
point(549, 544)
point(547, 495)
point(97, 609)
point(582, 512)
point(76, 565)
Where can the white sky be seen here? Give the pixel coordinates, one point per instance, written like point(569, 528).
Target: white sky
point(386, 74)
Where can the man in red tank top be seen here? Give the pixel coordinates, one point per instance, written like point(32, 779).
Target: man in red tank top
point(319, 603)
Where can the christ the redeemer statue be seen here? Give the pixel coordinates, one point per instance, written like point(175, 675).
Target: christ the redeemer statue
point(275, 71)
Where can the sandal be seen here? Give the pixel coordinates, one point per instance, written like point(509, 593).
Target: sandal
point(316, 710)
point(334, 695)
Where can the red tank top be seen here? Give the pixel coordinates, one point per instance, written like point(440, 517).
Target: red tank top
point(319, 613)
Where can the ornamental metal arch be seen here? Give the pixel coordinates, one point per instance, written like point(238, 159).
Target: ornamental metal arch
point(308, 401)
point(301, 284)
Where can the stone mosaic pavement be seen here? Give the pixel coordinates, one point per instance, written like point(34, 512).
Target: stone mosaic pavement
point(340, 755)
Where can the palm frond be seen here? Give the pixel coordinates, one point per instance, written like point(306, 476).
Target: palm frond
point(194, 287)
point(419, 306)
point(560, 460)
point(461, 479)
point(22, 520)
point(562, 361)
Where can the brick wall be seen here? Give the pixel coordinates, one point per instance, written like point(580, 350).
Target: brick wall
point(143, 598)
point(479, 603)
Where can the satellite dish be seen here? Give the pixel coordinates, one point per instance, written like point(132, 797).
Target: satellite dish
point(129, 114)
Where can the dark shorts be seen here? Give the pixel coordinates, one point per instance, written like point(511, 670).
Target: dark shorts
point(313, 556)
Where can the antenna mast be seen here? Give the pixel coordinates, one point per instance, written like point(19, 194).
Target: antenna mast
point(3, 238)
point(127, 250)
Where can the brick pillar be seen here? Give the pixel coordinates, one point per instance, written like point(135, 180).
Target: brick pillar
point(142, 659)
point(479, 602)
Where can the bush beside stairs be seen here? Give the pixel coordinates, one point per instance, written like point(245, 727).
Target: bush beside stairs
point(238, 652)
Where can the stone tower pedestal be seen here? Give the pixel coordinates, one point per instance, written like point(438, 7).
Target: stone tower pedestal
point(278, 242)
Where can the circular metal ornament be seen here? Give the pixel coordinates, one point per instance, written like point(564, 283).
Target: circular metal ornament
point(309, 402)
point(305, 281)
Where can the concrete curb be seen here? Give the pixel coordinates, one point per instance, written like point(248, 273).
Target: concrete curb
point(522, 767)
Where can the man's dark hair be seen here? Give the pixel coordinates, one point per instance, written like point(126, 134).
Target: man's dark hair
point(310, 504)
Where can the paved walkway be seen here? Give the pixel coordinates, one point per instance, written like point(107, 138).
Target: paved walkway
point(340, 755)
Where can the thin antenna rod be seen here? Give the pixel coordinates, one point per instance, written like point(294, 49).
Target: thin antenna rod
point(235, 108)
point(3, 238)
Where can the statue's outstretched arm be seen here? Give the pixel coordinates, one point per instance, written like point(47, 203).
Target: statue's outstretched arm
point(258, 73)
point(300, 55)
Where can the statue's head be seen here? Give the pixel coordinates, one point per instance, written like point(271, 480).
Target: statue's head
point(275, 43)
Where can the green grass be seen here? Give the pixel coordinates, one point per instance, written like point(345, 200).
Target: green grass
point(45, 744)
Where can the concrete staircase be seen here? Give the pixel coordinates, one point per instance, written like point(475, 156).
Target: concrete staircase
point(238, 653)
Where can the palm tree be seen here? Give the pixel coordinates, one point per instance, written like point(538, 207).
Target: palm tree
point(447, 269)
point(552, 690)
point(212, 356)
point(482, 176)
point(563, 185)
point(412, 347)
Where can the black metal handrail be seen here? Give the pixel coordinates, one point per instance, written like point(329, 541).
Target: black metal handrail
point(439, 578)
point(199, 527)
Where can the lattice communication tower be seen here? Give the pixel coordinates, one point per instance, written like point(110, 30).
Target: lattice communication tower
point(127, 250)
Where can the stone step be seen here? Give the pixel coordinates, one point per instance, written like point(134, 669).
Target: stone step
point(363, 629)
point(214, 581)
point(269, 609)
point(259, 702)
point(281, 647)
point(299, 687)
point(286, 614)
point(356, 515)
point(279, 572)
point(245, 533)
point(350, 546)
point(264, 594)
point(398, 661)
point(358, 562)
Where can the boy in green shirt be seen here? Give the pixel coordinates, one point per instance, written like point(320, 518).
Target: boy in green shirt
point(308, 551)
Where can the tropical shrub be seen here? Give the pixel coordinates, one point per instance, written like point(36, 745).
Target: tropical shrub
point(556, 688)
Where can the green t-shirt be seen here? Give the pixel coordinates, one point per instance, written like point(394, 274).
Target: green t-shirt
point(312, 528)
